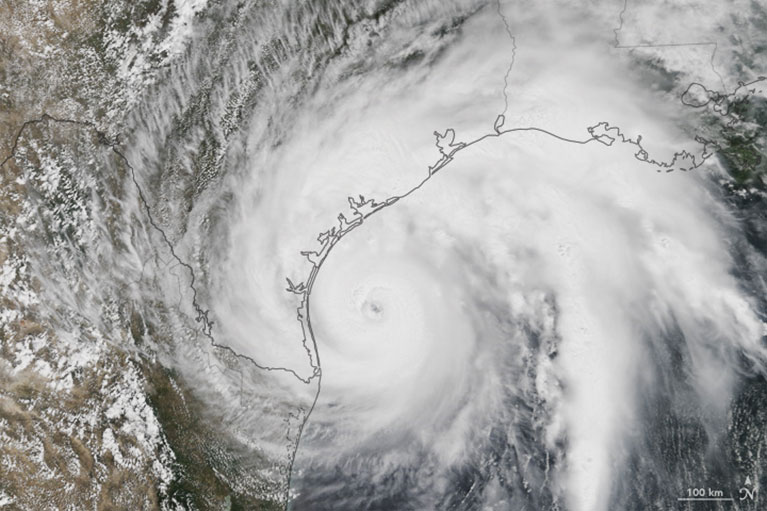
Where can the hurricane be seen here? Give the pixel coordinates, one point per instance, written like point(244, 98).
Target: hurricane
point(509, 292)
point(450, 255)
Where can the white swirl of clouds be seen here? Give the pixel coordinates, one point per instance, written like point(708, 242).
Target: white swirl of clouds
point(504, 315)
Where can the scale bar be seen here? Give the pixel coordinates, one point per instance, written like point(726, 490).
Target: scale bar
point(706, 499)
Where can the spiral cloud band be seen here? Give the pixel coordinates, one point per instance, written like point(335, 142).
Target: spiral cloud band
point(565, 280)
point(534, 273)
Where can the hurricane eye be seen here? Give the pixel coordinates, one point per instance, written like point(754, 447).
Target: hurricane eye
point(372, 309)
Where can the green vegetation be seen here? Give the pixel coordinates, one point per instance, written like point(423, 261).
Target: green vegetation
point(201, 460)
point(743, 156)
point(740, 140)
